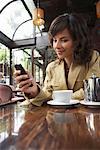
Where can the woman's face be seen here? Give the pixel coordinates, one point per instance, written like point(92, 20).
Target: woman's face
point(63, 44)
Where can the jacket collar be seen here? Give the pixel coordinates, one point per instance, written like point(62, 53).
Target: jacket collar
point(73, 74)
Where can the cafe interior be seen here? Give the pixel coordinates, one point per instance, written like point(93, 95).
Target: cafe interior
point(24, 26)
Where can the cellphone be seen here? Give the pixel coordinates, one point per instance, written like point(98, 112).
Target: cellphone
point(20, 67)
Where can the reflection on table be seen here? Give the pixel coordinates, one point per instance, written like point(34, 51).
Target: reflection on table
point(46, 128)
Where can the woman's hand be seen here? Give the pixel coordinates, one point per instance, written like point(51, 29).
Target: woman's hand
point(26, 84)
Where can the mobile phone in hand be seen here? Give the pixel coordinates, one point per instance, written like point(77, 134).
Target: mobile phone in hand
point(20, 67)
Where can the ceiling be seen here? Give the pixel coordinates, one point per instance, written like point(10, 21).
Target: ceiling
point(53, 8)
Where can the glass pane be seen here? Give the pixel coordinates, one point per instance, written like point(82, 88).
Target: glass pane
point(4, 63)
point(3, 3)
point(12, 17)
point(30, 4)
point(23, 33)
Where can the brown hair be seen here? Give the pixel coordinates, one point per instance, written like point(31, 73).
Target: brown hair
point(78, 29)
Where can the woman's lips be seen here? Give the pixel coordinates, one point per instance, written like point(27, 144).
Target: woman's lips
point(60, 52)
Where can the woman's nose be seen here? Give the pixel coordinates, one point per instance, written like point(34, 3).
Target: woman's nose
point(58, 44)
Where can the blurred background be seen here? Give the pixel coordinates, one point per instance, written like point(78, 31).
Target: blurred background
point(24, 28)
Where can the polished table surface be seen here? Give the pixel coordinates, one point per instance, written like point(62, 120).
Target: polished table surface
point(49, 128)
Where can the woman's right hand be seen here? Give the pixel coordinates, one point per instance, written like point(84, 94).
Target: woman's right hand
point(26, 84)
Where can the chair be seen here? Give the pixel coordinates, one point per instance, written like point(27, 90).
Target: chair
point(5, 93)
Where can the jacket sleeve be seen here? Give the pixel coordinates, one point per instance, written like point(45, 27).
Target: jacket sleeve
point(79, 94)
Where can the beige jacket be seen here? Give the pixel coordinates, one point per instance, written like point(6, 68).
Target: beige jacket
point(55, 79)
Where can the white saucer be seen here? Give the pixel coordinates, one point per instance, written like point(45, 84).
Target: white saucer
point(55, 103)
point(90, 103)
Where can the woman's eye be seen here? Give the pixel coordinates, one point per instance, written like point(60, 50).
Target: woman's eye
point(64, 40)
point(54, 40)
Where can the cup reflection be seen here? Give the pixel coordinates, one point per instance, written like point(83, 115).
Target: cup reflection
point(74, 130)
point(60, 124)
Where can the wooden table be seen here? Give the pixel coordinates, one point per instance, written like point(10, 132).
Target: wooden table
point(47, 128)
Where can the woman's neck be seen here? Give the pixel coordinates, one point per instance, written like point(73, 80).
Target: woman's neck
point(68, 61)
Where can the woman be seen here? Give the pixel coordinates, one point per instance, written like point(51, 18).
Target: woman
point(76, 61)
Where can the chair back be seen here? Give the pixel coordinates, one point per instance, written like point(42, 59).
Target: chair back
point(5, 93)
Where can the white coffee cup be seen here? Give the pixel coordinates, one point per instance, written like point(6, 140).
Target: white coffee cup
point(62, 95)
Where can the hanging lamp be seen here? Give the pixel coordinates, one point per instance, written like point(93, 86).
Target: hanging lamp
point(38, 15)
point(98, 9)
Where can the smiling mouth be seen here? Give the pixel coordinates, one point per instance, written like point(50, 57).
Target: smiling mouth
point(60, 52)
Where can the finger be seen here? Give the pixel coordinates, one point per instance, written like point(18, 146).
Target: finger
point(16, 73)
point(25, 87)
point(22, 78)
point(31, 78)
point(25, 82)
